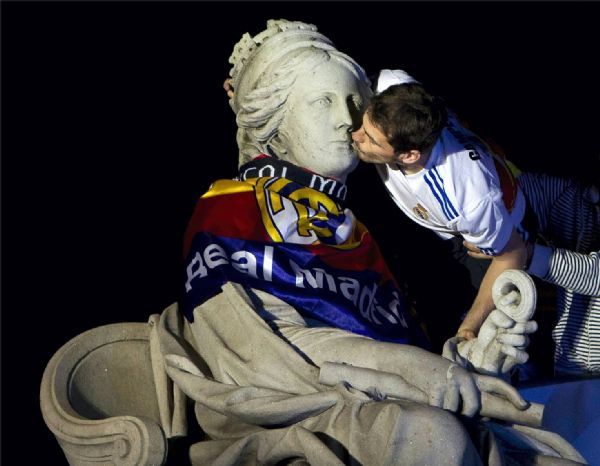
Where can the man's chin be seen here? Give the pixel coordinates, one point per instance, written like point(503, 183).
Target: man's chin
point(357, 152)
point(364, 157)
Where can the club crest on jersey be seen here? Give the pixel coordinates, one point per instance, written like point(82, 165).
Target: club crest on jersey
point(420, 212)
point(296, 214)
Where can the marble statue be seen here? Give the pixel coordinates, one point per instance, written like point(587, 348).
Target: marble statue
point(270, 382)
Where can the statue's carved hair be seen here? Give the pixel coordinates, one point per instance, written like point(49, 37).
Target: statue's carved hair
point(265, 68)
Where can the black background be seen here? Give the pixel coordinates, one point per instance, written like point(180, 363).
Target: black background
point(114, 122)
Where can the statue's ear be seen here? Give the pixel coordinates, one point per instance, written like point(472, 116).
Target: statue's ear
point(276, 148)
point(248, 149)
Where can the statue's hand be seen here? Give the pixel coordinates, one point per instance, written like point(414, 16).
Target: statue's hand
point(515, 340)
point(462, 391)
point(501, 344)
point(458, 394)
point(500, 388)
point(450, 351)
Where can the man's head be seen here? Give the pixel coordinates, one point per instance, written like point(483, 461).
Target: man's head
point(400, 124)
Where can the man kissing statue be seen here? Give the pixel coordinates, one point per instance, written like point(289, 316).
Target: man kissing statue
point(286, 293)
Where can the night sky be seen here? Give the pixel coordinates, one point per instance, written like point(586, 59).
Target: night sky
point(114, 122)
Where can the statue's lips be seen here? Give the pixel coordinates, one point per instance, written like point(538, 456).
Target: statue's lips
point(346, 143)
point(345, 146)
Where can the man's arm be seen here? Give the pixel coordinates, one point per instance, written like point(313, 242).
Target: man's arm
point(567, 269)
point(513, 256)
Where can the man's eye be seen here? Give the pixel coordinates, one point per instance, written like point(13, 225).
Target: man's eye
point(355, 107)
point(357, 102)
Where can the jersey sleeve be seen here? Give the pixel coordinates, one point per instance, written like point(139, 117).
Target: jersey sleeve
point(487, 224)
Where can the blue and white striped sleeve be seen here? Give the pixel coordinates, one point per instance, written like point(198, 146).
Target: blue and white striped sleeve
point(567, 269)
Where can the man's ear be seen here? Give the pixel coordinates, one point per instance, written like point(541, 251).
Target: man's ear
point(410, 157)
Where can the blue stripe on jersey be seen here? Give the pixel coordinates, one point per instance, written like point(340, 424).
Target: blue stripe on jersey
point(443, 192)
point(437, 196)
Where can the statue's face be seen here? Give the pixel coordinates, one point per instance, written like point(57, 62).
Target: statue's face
point(324, 105)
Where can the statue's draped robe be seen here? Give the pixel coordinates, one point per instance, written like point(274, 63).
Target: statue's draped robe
point(251, 361)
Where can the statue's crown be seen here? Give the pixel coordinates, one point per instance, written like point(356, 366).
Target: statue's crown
point(290, 31)
point(252, 55)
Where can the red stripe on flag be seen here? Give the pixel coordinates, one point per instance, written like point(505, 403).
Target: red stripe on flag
point(230, 215)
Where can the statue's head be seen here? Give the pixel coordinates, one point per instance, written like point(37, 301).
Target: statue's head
point(297, 97)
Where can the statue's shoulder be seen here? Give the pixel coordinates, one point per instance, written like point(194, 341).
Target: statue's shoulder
point(224, 187)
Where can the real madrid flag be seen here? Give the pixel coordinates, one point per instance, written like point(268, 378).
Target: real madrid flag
point(296, 242)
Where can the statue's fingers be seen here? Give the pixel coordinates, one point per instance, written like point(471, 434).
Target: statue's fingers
point(512, 339)
point(508, 364)
point(452, 397)
point(523, 327)
point(450, 349)
point(471, 397)
point(519, 355)
point(500, 319)
point(436, 398)
point(512, 298)
point(499, 387)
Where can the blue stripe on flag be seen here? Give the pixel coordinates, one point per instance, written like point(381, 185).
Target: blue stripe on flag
point(358, 301)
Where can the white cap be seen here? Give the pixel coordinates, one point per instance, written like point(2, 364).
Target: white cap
point(389, 78)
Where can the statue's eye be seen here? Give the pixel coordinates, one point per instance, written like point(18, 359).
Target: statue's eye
point(322, 102)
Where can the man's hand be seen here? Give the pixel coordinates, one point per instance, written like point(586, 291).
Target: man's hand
point(466, 333)
point(227, 85)
point(474, 251)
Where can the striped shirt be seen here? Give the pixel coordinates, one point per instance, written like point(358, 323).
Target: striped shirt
point(570, 223)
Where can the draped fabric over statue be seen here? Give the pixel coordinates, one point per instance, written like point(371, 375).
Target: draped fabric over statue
point(299, 244)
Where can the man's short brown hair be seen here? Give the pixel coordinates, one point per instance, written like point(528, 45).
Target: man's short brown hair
point(409, 116)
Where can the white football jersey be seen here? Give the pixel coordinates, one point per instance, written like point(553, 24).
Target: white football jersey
point(465, 189)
